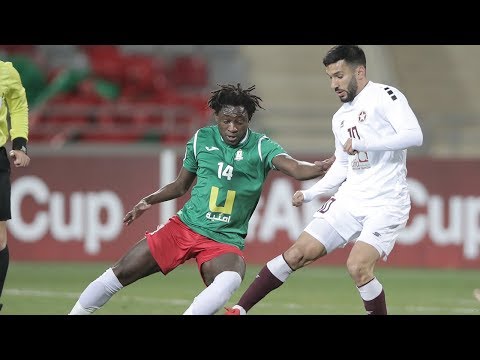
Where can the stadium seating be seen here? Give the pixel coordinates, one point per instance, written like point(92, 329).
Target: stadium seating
point(157, 99)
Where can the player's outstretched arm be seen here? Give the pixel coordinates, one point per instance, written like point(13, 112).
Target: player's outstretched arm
point(173, 190)
point(302, 170)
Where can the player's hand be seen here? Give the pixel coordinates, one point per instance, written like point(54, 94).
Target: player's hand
point(347, 147)
point(325, 164)
point(297, 198)
point(20, 159)
point(137, 210)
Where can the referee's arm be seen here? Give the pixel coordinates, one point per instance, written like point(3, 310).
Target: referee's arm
point(16, 99)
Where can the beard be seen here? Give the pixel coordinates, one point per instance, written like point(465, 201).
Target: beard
point(351, 91)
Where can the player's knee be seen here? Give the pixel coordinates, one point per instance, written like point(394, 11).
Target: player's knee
point(3, 235)
point(295, 257)
point(223, 287)
point(230, 280)
point(359, 271)
point(300, 256)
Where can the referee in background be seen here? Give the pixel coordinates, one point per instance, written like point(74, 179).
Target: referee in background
point(13, 102)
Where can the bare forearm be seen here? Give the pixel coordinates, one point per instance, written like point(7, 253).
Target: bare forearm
point(302, 170)
point(168, 192)
point(306, 171)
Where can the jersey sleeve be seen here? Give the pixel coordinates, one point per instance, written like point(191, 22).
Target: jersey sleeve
point(190, 158)
point(335, 176)
point(267, 150)
point(401, 117)
point(16, 99)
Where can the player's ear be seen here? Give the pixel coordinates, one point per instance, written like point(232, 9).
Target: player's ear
point(360, 71)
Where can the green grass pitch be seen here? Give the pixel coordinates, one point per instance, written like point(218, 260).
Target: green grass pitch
point(44, 288)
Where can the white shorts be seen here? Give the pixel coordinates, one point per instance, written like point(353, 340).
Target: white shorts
point(377, 226)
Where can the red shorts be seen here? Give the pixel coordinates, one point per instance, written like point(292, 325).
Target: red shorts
point(174, 243)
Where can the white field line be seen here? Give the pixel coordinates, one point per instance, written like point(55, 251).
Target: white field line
point(70, 295)
point(412, 309)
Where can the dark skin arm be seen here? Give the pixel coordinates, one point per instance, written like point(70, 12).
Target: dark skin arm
point(302, 170)
point(173, 190)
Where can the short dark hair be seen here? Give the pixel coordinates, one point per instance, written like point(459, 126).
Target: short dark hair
point(234, 96)
point(352, 54)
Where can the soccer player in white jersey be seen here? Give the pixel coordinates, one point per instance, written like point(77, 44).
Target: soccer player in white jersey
point(370, 202)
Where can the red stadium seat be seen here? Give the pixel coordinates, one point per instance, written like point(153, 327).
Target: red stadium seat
point(141, 71)
point(189, 71)
point(106, 62)
point(116, 137)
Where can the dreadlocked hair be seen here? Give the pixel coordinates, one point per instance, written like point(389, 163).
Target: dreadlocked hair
point(234, 96)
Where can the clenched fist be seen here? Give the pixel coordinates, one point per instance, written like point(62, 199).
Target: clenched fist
point(20, 158)
point(297, 198)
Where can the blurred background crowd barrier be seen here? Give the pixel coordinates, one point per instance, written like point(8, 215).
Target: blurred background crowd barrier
point(109, 124)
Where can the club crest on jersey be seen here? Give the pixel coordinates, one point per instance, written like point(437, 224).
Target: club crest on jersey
point(239, 155)
point(362, 116)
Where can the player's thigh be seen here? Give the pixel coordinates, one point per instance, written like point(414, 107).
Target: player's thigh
point(325, 233)
point(5, 194)
point(5, 186)
point(223, 262)
point(363, 257)
point(318, 238)
point(3, 235)
point(336, 211)
point(381, 228)
point(137, 263)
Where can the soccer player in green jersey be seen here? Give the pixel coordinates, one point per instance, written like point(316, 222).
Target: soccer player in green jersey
point(13, 102)
point(230, 163)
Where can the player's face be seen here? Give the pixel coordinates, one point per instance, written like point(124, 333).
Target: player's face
point(232, 124)
point(343, 80)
